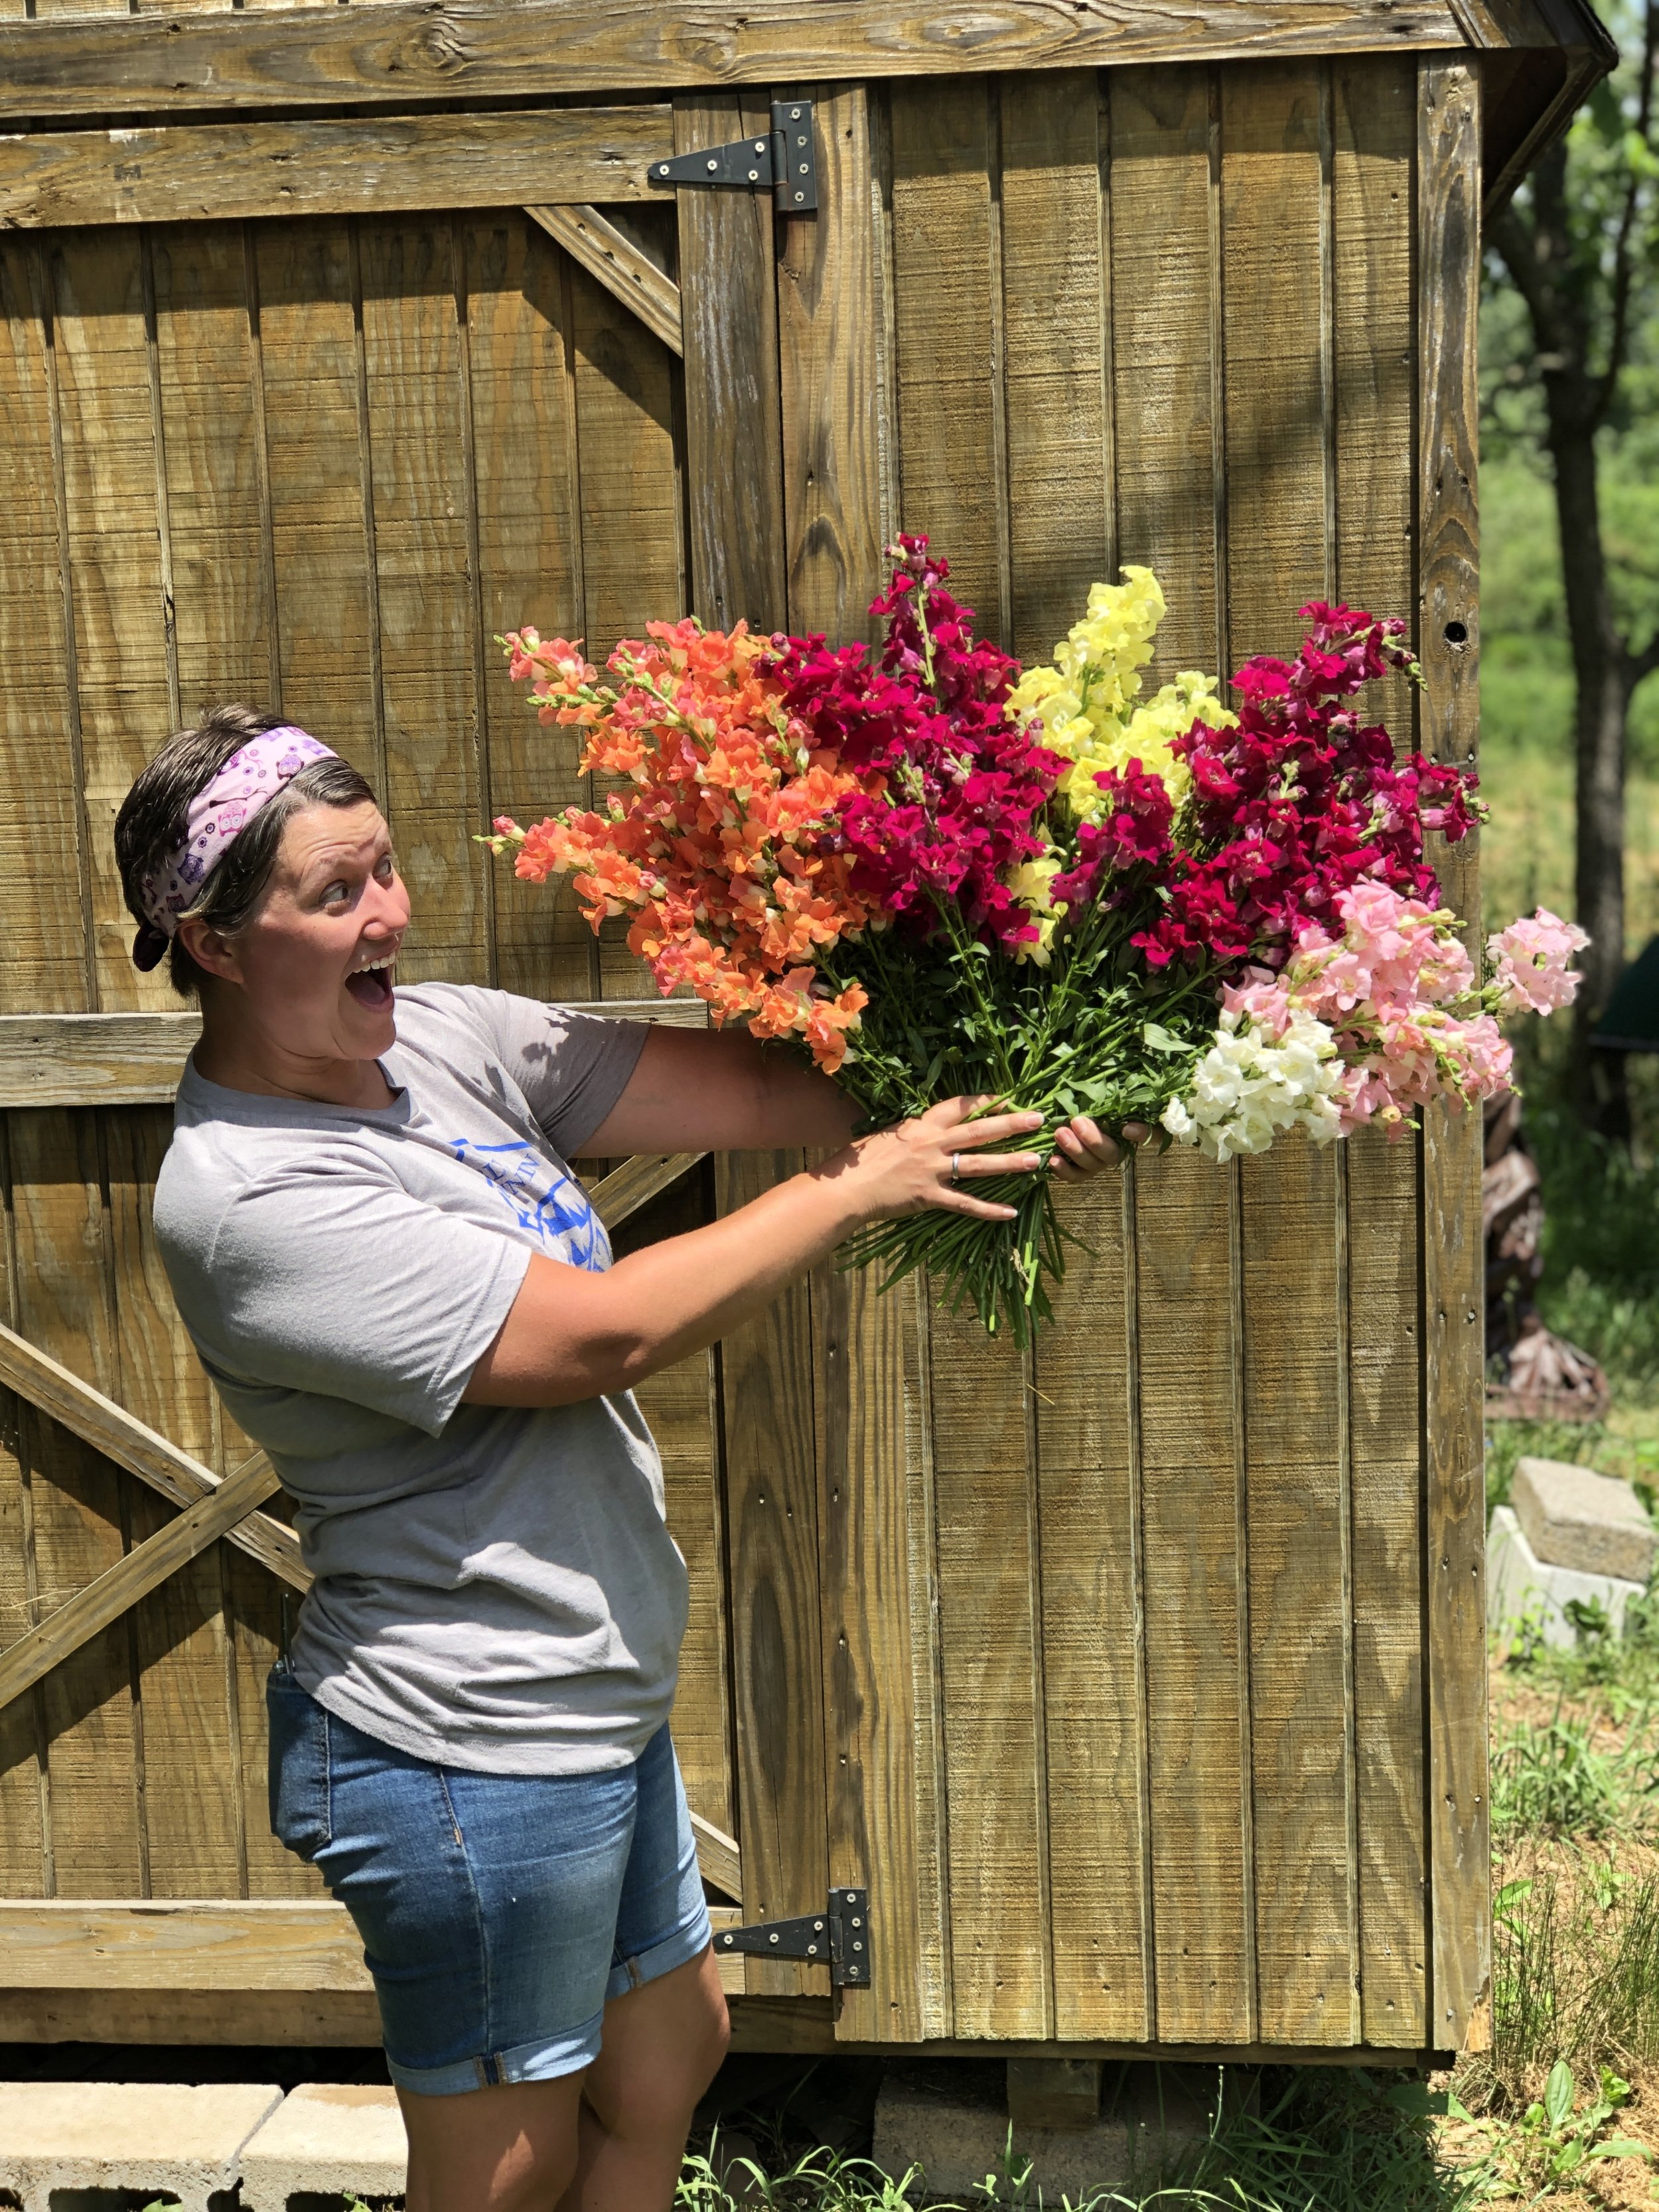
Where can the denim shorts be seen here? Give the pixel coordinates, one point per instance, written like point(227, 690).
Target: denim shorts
point(498, 1912)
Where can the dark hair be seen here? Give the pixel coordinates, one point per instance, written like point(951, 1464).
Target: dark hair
point(154, 812)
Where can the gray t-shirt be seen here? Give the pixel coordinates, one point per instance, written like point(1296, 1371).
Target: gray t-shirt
point(496, 1588)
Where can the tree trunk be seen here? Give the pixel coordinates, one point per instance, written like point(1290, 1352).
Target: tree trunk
point(1602, 682)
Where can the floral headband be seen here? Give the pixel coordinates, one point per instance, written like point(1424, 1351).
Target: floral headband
point(218, 814)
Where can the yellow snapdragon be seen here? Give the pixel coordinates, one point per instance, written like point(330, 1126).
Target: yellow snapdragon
point(1089, 704)
point(1032, 883)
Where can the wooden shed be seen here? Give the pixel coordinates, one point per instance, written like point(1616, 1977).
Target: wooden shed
point(1139, 1686)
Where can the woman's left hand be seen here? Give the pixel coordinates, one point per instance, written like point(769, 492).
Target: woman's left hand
point(1082, 1148)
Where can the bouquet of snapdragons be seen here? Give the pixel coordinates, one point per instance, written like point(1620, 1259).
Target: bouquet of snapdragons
point(938, 874)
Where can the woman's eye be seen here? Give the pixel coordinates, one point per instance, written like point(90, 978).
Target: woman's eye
point(335, 893)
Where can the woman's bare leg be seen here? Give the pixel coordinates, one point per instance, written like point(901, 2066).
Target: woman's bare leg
point(507, 2149)
point(663, 2044)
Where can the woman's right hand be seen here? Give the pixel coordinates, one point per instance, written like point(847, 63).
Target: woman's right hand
point(933, 1160)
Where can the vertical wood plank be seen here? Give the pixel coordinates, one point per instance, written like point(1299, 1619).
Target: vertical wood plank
point(211, 451)
point(1094, 1633)
point(1374, 140)
point(192, 1799)
point(733, 425)
point(1162, 384)
point(1386, 1394)
point(947, 305)
point(835, 405)
point(1278, 420)
point(1189, 1431)
point(78, 1509)
point(767, 1403)
point(1055, 282)
point(114, 542)
point(26, 1867)
point(411, 335)
point(40, 803)
point(528, 521)
point(1295, 1457)
point(1449, 254)
point(991, 1659)
point(884, 1742)
point(308, 349)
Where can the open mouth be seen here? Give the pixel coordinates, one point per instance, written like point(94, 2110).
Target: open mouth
point(372, 986)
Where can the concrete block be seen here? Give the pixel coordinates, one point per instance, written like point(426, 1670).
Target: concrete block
point(950, 2117)
point(1520, 1586)
point(165, 2138)
point(1573, 1517)
point(325, 2138)
point(1053, 2093)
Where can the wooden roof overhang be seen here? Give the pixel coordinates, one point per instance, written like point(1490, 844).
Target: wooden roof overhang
point(1541, 56)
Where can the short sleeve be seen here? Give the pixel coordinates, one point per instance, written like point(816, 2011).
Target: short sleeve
point(571, 1067)
point(329, 1277)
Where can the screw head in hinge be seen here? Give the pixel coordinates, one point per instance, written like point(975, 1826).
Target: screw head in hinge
point(713, 167)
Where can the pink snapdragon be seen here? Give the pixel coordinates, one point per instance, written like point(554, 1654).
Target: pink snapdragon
point(1530, 959)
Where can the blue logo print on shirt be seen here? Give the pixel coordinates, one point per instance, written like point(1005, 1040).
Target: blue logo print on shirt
point(542, 1199)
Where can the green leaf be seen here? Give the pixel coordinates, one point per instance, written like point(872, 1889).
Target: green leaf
point(1622, 2147)
point(1559, 2093)
point(1160, 1040)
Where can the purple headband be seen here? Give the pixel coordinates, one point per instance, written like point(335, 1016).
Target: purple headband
point(218, 814)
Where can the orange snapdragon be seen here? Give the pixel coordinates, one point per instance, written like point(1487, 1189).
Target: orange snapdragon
point(719, 848)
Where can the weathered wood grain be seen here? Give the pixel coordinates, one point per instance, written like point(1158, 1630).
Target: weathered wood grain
point(1297, 1475)
point(80, 1514)
point(136, 1060)
point(718, 1857)
point(530, 563)
point(990, 1606)
point(836, 404)
point(328, 636)
point(218, 172)
point(193, 1807)
point(1200, 1872)
point(1279, 420)
point(75, 1405)
point(309, 2019)
point(1094, 1629)
point(771, 1495)
point(198, 1944)
point(1162, 390)
point(1055, 283)
point(174, 1545)
point(483, 48)
point(733, 423)
point(637, 1181)
point(212, 464)
point(948, 308)
point(1375, 136)
point(39, 799)
point(120, 614)
point(26, 1861)
point(590, 237)
point(884, 1746)
point(1387, 1399)
point(434, 800)
point(1449, 243)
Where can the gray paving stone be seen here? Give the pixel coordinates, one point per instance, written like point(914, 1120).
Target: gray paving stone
point(1573, 1517)
point(326, 2137)
point(167, 2139)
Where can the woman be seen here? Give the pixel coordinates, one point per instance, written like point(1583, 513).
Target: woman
point(395, 1283)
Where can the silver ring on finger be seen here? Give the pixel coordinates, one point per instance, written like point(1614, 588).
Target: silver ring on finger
point(956, 1170)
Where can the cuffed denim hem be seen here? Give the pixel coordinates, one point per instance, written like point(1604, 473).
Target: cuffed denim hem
point(531, 2062)
point(678, 1950)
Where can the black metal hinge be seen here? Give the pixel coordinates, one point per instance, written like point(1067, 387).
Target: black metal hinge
point(840, 1936)
point(783, 162)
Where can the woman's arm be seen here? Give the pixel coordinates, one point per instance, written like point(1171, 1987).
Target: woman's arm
point(572, 1335)
point(708, 1090)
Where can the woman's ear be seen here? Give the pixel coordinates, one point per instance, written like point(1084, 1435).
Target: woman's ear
point(207, 949)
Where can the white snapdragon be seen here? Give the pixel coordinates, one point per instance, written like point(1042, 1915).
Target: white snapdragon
point(1251, 1085)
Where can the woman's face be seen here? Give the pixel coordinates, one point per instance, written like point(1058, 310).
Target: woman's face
point(316, 960)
